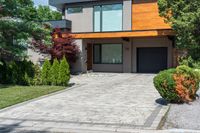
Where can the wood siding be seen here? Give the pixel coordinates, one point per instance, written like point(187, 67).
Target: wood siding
point(145, 16)
point(151, 33)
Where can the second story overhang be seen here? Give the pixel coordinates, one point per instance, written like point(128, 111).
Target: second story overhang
point(124, 34)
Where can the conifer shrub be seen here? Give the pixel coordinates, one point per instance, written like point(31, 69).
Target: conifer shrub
point(178, 85)
point(16, 72)
point(37, 77)
point(45, 74)
point(54, 72)
point(64, 73)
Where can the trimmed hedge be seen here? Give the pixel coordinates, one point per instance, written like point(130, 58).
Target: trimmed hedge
point(178, 85)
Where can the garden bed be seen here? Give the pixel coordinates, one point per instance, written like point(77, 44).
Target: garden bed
point(10, 95)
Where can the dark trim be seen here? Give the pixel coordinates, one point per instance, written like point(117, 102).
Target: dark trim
point(120, 31)
point(101, 17)
point(74, 12)
point(100, 44)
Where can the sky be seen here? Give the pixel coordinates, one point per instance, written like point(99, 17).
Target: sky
point(41, 2)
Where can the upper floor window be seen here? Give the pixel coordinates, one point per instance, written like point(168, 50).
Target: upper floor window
point(108, 17)
point(74, 10)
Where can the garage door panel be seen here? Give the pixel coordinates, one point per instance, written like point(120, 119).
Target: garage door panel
point(151, 60)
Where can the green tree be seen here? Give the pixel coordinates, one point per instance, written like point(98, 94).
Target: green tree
point(64, 72)
point(184, 18)
point(46, 13)
point(19, 24)
point(54, 72)
point(45, 74)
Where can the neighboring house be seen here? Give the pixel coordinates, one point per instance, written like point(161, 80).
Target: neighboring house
point(119, 35)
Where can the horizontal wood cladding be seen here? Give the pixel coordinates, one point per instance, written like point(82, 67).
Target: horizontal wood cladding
point(145, 16)
point(150, 33)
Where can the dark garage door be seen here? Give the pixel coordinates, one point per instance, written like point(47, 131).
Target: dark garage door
point(151, 60)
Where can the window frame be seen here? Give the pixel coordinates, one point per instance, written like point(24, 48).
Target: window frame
point(101, 17)
point(75, 12)
point(100, 46)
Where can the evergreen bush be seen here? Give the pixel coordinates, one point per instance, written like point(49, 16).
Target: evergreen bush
point(64, 73)
point(45, 74)
point(37, 77)
point(178, 85)
point(16, 72)
point(54, 72)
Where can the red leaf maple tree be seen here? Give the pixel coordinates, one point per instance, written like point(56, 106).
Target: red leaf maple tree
point(62, 46)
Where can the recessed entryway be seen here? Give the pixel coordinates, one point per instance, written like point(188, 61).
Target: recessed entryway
point(151, 60)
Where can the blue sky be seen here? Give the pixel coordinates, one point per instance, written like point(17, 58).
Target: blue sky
point(41, 2)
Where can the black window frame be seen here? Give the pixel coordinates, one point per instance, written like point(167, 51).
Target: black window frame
point(100, 45)
point(101, 17)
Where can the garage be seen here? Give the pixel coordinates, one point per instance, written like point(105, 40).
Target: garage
point(151, 60)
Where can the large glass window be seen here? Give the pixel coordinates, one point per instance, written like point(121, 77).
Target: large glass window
point(108, 17)
point(97, 18)
point(108, 53)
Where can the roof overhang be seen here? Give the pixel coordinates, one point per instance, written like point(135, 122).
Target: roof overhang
point(149, 33)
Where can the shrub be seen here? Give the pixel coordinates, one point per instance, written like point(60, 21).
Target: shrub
point(177, 85)
point(45, 74)
point(64, 73)
point(26, 72)
point(54, 72)
point(188, 61)
point(37, 77)
point(16, 72)
point(165, 85)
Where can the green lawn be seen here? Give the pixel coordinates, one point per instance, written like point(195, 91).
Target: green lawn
point(10, 95)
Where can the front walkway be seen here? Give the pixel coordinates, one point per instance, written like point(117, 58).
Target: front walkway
point(97, 102)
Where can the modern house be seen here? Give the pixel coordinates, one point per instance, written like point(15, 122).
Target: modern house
point(119, 35)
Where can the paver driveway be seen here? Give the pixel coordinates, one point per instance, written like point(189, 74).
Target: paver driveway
point(97, 101)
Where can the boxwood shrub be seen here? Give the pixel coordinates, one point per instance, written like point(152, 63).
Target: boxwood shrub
point(177, 85)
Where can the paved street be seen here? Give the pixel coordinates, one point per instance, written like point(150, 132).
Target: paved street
point(97, 102)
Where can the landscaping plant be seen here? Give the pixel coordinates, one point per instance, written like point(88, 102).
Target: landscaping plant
point(63, 46)
point(45, 74)
point(184, 18)
point(16, 72)
point(178, 85)
point(54, 72)
point(64, 72)
point(37, 77)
